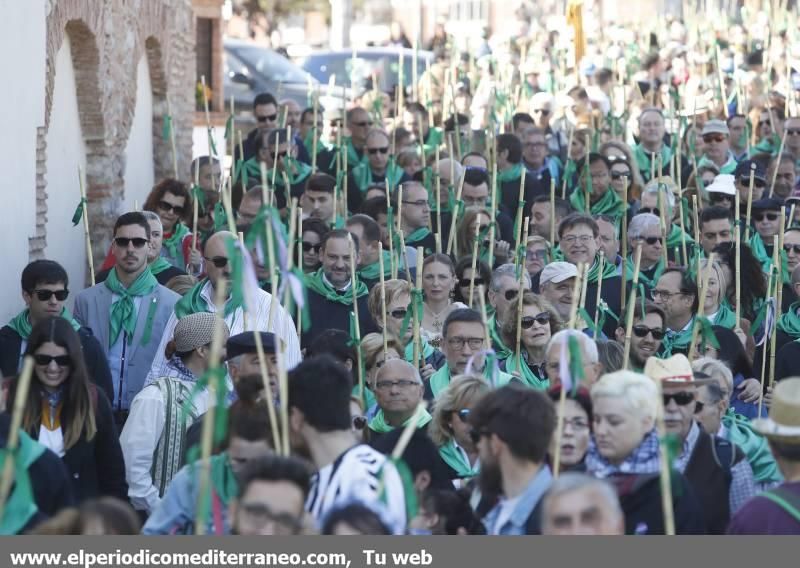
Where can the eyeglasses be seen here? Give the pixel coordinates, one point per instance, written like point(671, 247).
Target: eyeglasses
point(476, 435)
point(786, 247)
point(309, 247)
point(664, 294)
point(399, 313)
point(544, 111)
point(418, 203)
point(793, 132)
point(680, 398)
point(362, 124)
point(464, 282)
point(642, 331)
point(708, 138)
point(542, 319)
point(510, 294)
point(267, 117)
point(45, 295)
point(758, 217)
point(137, 242)
point(399, 383)
point(261, 515)
point(535, 254)
point(463, 414)
point(764, 123)
point(577, 424)
point(167, 207)
point(359, 422)
point(218, 261)
point(373, 151)
point(459, 342)
point(45, 360)
point(745, 181)
point(651, 240)
point(572, 239)
point(620, 175)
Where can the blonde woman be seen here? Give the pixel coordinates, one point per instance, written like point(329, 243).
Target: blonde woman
point(374, 358)
point(716, 307)
point(450, 429)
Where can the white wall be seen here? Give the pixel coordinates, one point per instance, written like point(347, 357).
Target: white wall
point(66, 151)
point(139, 172)
point(22, 45)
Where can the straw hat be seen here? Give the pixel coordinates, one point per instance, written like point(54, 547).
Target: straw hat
point(783, 424)
point(673, 372)
point(196, 330)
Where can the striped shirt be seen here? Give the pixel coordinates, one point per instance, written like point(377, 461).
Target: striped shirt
point(282, 326)
point(360, 475)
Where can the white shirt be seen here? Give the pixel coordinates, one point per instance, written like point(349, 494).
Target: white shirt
point(282, 326)
point(139, 440)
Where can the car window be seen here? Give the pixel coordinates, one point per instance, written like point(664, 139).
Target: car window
point(385, 68)
point(272, 65)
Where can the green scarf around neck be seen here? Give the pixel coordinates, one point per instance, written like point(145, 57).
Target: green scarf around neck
point(789, 323)
point(427, 351)
point(643, 158)
point(417, 235)
point(301, 172)
point(174, 245)
point(760, 252)
point(609, 271)
point(378, 423)
point(511, 174)
point(648, 281)
point(194, 303)
point(527, 376)
point(123, 310)
point(727, 168)
point(678, 340)
point(610, 204)
point(740, 432)
point(502, 350)
point(353, 159)
point(676, 237)
point(364, 178)
point(439, 380)
point(725, 316)
point(321, 286)
point(21, 323)
point(20, 506)
point(159, 265)
point(455, 459)
point(373, 271)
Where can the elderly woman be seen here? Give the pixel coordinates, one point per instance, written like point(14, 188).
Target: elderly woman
point(450, 429)
point(538, 322)
point(576, 428)
point(625, 450)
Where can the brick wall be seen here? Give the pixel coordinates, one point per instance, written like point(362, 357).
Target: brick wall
point(108, 38)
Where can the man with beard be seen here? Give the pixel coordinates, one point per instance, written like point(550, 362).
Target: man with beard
point(512, 427)
point(646, 335)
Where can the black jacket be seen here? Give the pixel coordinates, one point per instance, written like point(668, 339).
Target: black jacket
point(325, 314)
point(93, 356)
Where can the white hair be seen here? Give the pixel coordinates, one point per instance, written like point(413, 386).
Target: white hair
point(574, 481)
point(152, 216)
point(641, 223)
point(656, 185)
point(716, 370)
point(588, 346)
point(507, 270)
point(637, 391)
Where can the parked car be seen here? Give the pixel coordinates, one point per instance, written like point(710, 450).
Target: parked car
point(384, 62)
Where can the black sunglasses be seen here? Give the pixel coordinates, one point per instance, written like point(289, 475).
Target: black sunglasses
point(510, 294)
point(464, 282)
point(680, 398)
point(716, 196)
point(542, 319)
point(463, 414)
point(123, 242)
point(642, 331)
point(793, 131)
point(650, 240)
point(373, 151)
point(362, 124)
point(787, 248)
point(167, 207)
point(359, 422)
point(758, 217)
point(620, 175)
point(308, 247)
point(45, 360)
point(654, 210)
point(45, 295)
point(543, 111)
point(399, 313)
point(218, 261)
point(267, 118)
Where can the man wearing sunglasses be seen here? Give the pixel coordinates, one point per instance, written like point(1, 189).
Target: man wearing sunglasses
point(647, 333)
point(45, 291)
point(742, 176)
point(127, 312)
point(791, 246)
point(722, 192)
point(716, 146)
point(380, 166)
point(716, 469)
point(644, 232)
point(766, 220)
point(503, 291)
point(783, 169)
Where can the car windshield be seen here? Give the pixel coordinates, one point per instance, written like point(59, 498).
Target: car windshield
point(342, 66)
point(271, 64)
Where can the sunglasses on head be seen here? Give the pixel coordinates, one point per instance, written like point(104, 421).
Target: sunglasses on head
point(359, 422)
point(745, 180)
point(373, 151)
point(308, 247)
point(464, 282)
point(713, 138)
point(680, 398)
point(542, 319)
point(786, 247)
point(45, 295)
point(123, 242)
point(650, 240)
point(758, 217)
point(167, 207)
point(643, 330)
point(620, 175)
point(218, 261)
point(45, 360)
point(267, 118)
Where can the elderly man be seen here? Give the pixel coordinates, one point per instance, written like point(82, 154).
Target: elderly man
point(717, 470)
point(558, 347)
point(783, 169)
point(398, 391)
point(716, 144)
point(578, 504)
point(463, 341)
point(652, 153)
point(647, 333)
point(540, 108)
point(644, 231)
point(557, 284)
point(379, 167)
point(503, 291)
point(657, 195)
point(509, 176)
point(541, 167)
point(609, 241)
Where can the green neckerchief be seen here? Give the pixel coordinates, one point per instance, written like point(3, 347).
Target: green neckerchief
point(302, 172)
point(440, 380)
point(322, 145)
point(610, 204)
point(643, 158)
point(20, 505)
point(364, 178)
point(455, 460)
point(511, 174)
point(223, 478)
point(194, 303)
point(609, 270)
point(650, 282)
point(373, 271)
point(353, 159)
point(417, 235)
point(433, 140)
point(768, 145)
point(497, 341)
point(159, 265)
point(674, 239)
point(321, 286)
point(174, 245)
point(21, 323)
point(427, 351)
point(123, 310)
point(740, 432)
point(678, 339)
point(378, 423)
point(760, 252)
point(727, 168)
point(789, 323)
point(725, 316)
point(528, 377)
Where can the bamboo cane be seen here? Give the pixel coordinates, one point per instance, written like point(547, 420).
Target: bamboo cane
point(569, 148)
point(283, 387)
point(438, 188)
point(682, 226)
point(383, 299)
point(663, 215)
point(700, 304)
point(417, 316)
point(353, 284)
point(474, 262)
point(518, 223)
point(493, 211)
point(553, 212)
point(696, 219)
point(780, 153)
point(451, 237)
point(777, 294)
point(599, 290)
point(484, 319)
point(576, 294)
point(624, 238)
point(631, 308)
point(86, 233)
point(738, 273)
point(390, 230)
point(262, 369)
point(12, 442)
point(195, 205)
point(314, 134)
point(749, 203)
point(766, 342)
point(520, 293)
point(665, 469)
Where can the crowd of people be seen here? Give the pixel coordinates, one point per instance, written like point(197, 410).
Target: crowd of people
point(551, 300)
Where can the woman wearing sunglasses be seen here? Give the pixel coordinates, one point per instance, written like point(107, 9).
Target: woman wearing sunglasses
point(66, 413)
point(477, 220)
point(538, 324)
point(465, 277)
point(314, 230)
point(450, 429)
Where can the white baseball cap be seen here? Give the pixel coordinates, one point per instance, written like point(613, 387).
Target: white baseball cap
point(557, 272)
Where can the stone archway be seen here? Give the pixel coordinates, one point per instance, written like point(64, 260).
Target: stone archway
point(162, 149)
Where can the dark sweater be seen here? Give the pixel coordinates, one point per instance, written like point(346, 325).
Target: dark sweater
point(326, 314)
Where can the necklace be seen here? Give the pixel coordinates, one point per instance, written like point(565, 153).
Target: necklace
point(438, 320)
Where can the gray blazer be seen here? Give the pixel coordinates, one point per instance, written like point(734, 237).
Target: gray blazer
point(92, 309)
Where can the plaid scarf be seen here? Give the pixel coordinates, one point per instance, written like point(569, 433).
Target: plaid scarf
point(644, 459)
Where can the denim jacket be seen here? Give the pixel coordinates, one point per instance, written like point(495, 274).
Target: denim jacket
point(516, 524)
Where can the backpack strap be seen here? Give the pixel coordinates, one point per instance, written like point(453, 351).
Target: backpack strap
point(724, 453)
point(786, 500)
